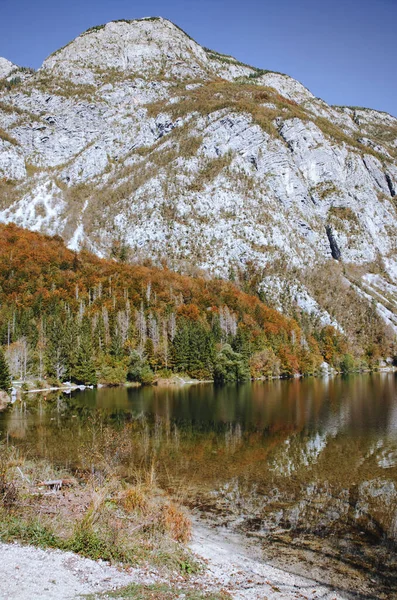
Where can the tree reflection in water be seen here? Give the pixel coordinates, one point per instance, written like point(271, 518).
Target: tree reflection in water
point(306, 468)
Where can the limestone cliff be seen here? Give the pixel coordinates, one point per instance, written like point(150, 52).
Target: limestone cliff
point(133, 133)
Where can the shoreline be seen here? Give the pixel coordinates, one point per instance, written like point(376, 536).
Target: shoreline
point(242, 572)
point(228, 568)
point(179, 381)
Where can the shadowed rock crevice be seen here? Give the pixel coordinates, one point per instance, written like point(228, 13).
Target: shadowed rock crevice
point(390, 185)
point(336, 253)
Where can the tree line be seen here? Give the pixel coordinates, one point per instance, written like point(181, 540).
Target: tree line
point(67, 316)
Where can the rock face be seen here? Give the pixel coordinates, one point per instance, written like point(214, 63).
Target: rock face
point(134, 133)
point(5, 67)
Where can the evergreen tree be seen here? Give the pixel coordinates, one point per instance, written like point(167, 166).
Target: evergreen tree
point(181, 348)
point(116, 346)
point(241, 344)
point(5, 377)
point(139, 369)
point(230, 366)
point(201, 351)
point(56, 359)
point(84, 371)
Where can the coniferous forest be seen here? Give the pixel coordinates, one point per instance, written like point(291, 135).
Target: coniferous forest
point(67, 316)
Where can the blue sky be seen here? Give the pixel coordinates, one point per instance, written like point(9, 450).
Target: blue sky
point(344, 51)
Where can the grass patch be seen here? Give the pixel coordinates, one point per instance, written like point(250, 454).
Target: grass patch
point(163, 592)
point(28, 532)
point(337, 134)
point(189, 145)
point(230, 60)
point(11, 109)
point(8, 84)
point(6, 137)
point(237, 97)
point(48, 84)
point(8, 193)
point(210, 171)
point(94, 29)
point(99, 517)
point(325, 189)
point(358, 317)
point(340, 217)
point(227, 59)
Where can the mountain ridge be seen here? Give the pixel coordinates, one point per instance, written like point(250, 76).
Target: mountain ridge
point(133, 134)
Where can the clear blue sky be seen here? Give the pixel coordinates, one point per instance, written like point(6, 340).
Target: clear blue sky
point(344, 51)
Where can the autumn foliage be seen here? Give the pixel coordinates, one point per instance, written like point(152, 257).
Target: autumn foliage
point(73, 315)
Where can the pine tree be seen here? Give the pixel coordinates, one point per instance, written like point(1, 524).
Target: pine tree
point(5, 378)
point(181, 348)
point(55, 350)
point(201, 353)
point(84, 371)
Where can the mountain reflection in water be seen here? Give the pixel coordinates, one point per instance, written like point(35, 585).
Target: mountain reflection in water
point(306, 468)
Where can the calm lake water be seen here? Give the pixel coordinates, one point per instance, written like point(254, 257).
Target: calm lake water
point(305, 470)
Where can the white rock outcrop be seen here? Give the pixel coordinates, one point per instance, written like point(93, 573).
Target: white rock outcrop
point(12, 162)
point(5, 67)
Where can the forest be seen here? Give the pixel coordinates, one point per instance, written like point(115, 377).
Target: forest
point(67, 316)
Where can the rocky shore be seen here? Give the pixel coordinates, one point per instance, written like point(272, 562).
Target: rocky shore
point(229, 569)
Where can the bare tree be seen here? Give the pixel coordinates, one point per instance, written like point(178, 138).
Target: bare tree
point(172, 326)
point(154, 331)
point(140, 324)
point(18, 357)
point(227, 322)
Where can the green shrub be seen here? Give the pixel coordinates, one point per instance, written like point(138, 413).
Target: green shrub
point(230, 366)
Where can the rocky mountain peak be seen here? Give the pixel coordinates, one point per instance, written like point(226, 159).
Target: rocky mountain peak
point(6, 67)
point(149, 46)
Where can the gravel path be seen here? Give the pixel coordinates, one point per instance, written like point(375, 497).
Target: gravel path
point(238, 570)
point(28, 573)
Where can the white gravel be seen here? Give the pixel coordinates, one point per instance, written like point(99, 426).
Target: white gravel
point(238, 570)
point(28, 573)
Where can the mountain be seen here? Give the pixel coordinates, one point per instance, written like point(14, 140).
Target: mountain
point(133, 138)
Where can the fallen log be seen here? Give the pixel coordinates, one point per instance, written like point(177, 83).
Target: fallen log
point(56, 484)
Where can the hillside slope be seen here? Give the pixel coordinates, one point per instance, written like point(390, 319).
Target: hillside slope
point(133, 136)
point(65, 315)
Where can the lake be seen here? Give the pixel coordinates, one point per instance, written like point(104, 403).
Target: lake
point(305, 470)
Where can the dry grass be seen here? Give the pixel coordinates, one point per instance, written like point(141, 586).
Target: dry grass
point(337, 134)
point(6, 137)
point(8, 193)
point(11, 109)
point(185, 145)
point(189, 145)
point(249, 98)
point(238, 97)
point(49, 84)
point(97, 514)
point(176, 523)
point(210, 171)
point(164, 592)
point(358, 318)
point(32, 170)
point(345, 218)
